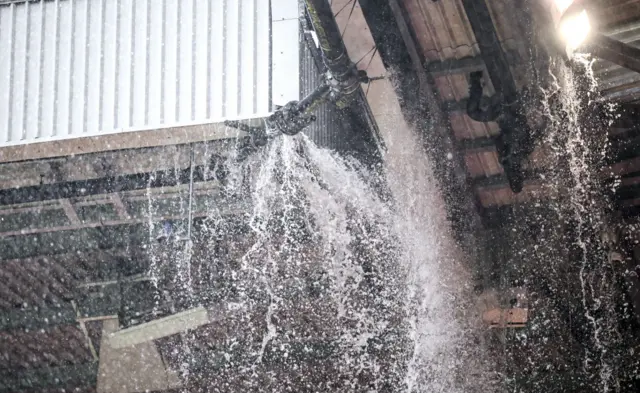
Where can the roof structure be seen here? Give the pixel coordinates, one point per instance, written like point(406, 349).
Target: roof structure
point(528, 235)
point(449, 51)
point(72, 229)
point(619, 20)
point(74, 232)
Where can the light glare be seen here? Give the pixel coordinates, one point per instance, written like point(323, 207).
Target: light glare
point(574, 29)
point(562, 5)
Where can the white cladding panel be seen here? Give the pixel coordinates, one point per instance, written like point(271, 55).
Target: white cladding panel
point(74, 68)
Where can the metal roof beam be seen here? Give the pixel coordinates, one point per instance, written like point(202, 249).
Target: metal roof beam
point(630, 211)
point(623, 149)
point(491, 51)
point(625, 193)
point(500, 180)
point(105, 164)
point(620, 149)
point(115, 209)
point(464, 65)
point(88, 303)
point(70, 211)
point(105, 185)
point(120, 207)
point(97, 223)
point(461, 105)
point(455, 66)
point(85, 239)
point(126, 300)
point(615, 51)
point(7, 2)
point(477, 145)
point(113, 277)
point(118, 236)
point(98, 300)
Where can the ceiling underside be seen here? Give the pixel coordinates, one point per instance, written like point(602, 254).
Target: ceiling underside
point(529, 241)
point(450, 52)
point(619, 20)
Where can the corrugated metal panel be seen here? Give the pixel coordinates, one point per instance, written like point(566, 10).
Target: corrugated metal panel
point(617, 19)
point(326, 131)
point(285, 50)
point(502, 196)
point(611, 13)
point(75, 68)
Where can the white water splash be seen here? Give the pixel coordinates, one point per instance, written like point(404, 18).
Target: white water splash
point(436, 278)
point(571, 138)
point(337, 272)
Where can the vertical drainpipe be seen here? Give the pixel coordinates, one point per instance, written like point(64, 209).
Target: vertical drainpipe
point(357, 136)
point(516, 139)
point(334, 53)
point(329, 37)
point(490, 49)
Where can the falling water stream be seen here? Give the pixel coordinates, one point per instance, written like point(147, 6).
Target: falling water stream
point(345, 277)
point(581, 201)
point(580, 146)
point(342, 277)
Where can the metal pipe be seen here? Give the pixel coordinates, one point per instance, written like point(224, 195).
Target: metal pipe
point(340, 82)
point(491, 51)
point(318, 95)
point(334, 52)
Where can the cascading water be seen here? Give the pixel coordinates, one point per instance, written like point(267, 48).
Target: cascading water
point(580, 146)
point(329, 282)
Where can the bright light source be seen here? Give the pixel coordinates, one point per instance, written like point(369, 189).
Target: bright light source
point(574, 29)
point(563, 5)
